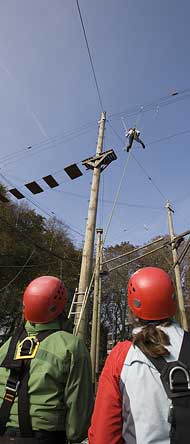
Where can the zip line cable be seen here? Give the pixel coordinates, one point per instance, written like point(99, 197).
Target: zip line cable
point(19, 272)
point(150, 178)
point(85, 197)
point(32, 151)
point(53, 139)
point(143, 169)
point(171, 136)
point(138, 117)
point(149, 106)
point(49, 143)
point(180, 133)
point(107, 201)
point(45, 211)
point(90, 57)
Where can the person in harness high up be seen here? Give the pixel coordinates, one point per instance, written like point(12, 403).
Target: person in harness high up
point(45, 373)
point(143, 393)
point(133, 134)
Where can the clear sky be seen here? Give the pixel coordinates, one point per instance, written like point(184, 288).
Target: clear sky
point(140, 52)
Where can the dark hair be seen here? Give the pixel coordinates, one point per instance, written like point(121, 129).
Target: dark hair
point(152, 340)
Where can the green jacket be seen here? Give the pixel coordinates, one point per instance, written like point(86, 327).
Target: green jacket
point(60, 385)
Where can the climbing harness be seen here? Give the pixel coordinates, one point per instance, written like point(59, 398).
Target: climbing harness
point(175, 377)
point(21, 351)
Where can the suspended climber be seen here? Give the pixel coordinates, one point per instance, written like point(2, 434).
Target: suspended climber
point(45, 373)
point(143, 393)
point(133, 134)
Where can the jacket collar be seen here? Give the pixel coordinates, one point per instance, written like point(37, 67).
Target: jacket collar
point(36, 328)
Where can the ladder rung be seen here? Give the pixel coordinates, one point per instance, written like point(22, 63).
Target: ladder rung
point(74, 312)
point(77, 305)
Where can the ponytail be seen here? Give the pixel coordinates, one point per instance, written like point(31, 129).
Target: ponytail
point(152, 340)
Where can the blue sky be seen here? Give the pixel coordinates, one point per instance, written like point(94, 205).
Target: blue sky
point(140, 51)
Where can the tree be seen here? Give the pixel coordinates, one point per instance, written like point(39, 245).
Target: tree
point(31, 246)
point(114, 291)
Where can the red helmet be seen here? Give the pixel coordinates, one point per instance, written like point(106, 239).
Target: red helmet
point(44, 299)
point(151, 294)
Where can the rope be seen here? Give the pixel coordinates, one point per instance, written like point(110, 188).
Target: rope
point(90, 57)
point(149, 106)
point(106, 232)
point(117, 194)
point(150, 178)
point(146, 173)
point(19, 272)
point(37, 149)
point(136, 122)
point(139, 115)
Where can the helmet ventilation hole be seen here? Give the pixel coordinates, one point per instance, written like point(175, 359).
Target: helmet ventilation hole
point(53, 308)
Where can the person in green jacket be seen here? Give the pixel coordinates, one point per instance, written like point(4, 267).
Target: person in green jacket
point(46, 391)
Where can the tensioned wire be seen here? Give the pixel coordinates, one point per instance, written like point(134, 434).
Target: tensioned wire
point(149, 177)
point(19, 272)
point(50, 142)
point(90, 57)
point(44, 210)
point(117, 194)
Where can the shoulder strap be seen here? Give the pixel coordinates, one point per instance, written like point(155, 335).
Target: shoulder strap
point(13, 379)
point(9, 361)
point(175, 377)
point(25, 423)
point(184, 355)
point(159, 363)
point(18, 383)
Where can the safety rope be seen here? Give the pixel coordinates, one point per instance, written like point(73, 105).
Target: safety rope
point(117, 194)
point(106, 232)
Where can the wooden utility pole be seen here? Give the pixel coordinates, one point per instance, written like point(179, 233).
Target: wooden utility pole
point(93, 348)
point(177, 269)
point(97, 163)
point(97, 364)
point(87, 256)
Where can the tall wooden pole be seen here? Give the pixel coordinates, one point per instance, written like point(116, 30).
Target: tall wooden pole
point(183, 317)
point(87, 256)
point(93, 348)
point(97, 364)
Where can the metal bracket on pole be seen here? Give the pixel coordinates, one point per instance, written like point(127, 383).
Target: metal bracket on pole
point(182, 254)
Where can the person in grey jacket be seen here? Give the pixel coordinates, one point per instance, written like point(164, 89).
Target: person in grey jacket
point(132, 406)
